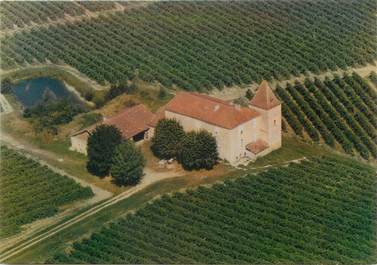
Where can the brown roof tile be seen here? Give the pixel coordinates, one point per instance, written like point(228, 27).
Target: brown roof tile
point(210, 110)
point(130, 122)
point(257, 146)
point(264, 97)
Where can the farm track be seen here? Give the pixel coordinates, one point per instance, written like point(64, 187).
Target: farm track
point(101, 195)
point(7, 108)
point(230, 93)
point(149, 178)
point(32, 241)
point(73, 19)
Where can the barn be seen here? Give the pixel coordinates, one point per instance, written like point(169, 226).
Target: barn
point(132, 122)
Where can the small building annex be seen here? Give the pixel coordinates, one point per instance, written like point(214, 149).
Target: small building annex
point(240, 132)
point(132, 122)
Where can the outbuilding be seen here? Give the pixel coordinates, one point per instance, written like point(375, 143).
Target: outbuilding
point(132, 122)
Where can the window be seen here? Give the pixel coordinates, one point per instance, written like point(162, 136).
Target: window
point(241, 131)
point(275, 122)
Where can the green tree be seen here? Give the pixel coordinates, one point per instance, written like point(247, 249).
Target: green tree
point(167, 139)
point(127, 165)
point(5, 86)
point(249, 94)
point(101, 146)
point(162, 93)
point(198, 150)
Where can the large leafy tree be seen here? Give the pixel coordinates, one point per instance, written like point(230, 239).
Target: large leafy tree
point(101, 146)
point(127, 165)
point(167, 139)
point(198, 150)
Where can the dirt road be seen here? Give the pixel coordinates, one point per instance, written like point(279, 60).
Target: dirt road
point(7, 108)
point(230, 93)
point(149, 178)
point(39, 225)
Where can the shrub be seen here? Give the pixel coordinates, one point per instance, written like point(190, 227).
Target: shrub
point(90, 118)
point(162, 93)
point(49, 114)
point(198, 150)
point(167, 139)
point(249, 94)
point(101, 146)
point(5, 86)
point(127, 165)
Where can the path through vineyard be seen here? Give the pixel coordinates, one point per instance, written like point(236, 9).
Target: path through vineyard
point(230, 93)
point(39, 225)
point(16, 244)
point(72, 19)
point(7, 108)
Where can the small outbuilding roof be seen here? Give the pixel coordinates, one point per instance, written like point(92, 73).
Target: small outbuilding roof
point(210, 110)
point(264, 97)
point(129, 121)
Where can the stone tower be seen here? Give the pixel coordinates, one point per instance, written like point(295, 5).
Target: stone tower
point(266, 103)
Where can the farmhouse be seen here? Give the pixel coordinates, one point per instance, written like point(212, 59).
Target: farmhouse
point(241, 132)
point(132, 122)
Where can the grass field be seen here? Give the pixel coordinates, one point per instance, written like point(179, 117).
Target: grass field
point(30, 191)
point(199, 45)
point(322, 211)
point(342, 111)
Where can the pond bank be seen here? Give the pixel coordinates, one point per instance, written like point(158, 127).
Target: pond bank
point(73, 79)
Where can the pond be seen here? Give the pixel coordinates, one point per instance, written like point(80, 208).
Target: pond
point(33, 91)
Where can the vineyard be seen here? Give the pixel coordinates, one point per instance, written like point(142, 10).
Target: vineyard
point(24, 14)
point(201, 45)
point(341, 110)
point(320, 211)
point(30, 191)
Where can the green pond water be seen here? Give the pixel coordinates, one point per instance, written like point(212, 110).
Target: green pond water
point(33, 91)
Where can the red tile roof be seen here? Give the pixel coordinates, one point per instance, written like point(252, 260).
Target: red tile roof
point(257, 146)
point(264, 97)
point(130, 122)
point(210, 110)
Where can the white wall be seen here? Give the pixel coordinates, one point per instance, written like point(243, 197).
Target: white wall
point(230, 143)
point(78, 144)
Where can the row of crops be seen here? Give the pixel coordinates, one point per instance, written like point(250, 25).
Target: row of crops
point(204, 44)
point(341, 110)
point(315, 212)
point(24, 14)
point(30, 191)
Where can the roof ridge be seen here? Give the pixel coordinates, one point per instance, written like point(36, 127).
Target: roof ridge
point(213, 99)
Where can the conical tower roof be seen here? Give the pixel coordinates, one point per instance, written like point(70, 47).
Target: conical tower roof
point(264, 97)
